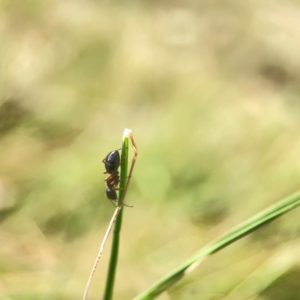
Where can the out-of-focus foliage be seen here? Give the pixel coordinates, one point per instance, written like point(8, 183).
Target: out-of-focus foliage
point(211, 92)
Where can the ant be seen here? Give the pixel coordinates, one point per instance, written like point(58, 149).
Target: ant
point(111, 164)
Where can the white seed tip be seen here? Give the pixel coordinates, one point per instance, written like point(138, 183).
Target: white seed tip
point(127, 132)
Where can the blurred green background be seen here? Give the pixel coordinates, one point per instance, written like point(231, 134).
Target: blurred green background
point(211, 92)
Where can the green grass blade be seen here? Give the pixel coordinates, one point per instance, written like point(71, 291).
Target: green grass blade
point(233, 235)
point(108, 292)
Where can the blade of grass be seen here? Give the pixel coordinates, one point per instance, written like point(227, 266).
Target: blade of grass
point(233, 235)
point(278, 263)
point(124, 183)
point(110, 280)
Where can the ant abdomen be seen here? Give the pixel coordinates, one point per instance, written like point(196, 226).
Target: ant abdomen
point(112, 161)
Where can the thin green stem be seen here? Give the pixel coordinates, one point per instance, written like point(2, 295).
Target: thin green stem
point(108, 293)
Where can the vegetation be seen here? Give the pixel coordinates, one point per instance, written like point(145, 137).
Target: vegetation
point(211, 92)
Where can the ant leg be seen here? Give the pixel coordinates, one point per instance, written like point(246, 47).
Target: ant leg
point(131, 167)
point(109, 178)
point(122, 204)
point(135, 155)
point(133, 159)
point(117, 189)
point(111, 201)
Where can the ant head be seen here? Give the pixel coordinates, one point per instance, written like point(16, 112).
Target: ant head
point(111, 194)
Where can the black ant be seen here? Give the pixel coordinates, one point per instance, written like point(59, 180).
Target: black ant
point(112, 163)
